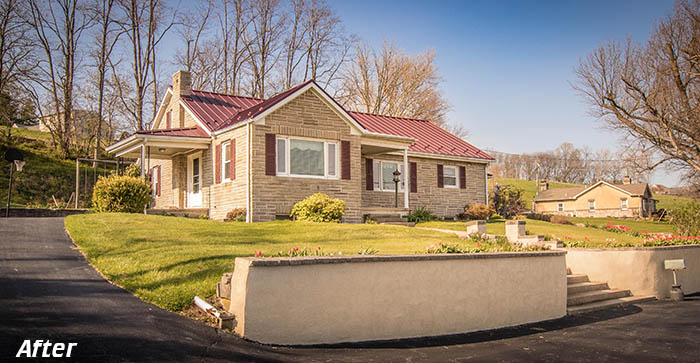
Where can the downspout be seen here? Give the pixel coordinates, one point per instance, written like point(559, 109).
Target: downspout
point(486, 184)
point(213, 171)
point(248, 202)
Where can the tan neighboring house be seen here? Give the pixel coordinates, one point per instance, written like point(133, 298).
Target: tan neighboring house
point(601, 199)
point(216, 152)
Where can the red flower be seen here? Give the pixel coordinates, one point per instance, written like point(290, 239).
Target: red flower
point(258, 254)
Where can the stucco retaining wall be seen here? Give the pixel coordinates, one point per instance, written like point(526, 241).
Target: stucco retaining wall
point(641, 270)
point(318, 300)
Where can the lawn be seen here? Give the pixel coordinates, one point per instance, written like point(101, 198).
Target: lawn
point(562, 231)
point(639, 226)
point(529, 187)
point(169, 260)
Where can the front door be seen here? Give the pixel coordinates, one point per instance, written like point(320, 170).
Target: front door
point(194, 192)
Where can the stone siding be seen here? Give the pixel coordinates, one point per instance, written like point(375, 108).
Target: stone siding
point(231, 194)
point(443, 202)
point(306, 116)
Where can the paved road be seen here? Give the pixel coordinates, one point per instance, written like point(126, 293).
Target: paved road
point(48, 291)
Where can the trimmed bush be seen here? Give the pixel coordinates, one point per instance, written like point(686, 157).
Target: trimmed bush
point(235, 215)
point(561, 220)
point(477, 211)
point(421, 214)
point(496, 217)
point(121, 193)
point(539, 216)
point(319, 207)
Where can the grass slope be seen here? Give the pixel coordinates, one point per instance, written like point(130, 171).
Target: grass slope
point(45, 172)
point(169, 260)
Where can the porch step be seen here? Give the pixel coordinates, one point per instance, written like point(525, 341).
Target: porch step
point(604, 304)
point(390, 219)
point(189, 212)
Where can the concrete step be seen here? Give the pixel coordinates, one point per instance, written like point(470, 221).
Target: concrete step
point(604, 304)
point(188, 212)
point(573, 289)
point(406, 224)
point(598, 295)
point(576, 278)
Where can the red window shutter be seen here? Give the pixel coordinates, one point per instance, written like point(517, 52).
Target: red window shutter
point(369, 174)
point(217, 164)
point(463, 177)
point(150, 178)
point(413, 167)
point(232, 157)
point(270, 154)
point(440, 176)
point(345, 159)
point(168, 119)
point(158, 188)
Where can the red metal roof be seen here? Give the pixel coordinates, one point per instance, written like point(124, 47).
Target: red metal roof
point(431, 138)
point(185, 132)
point(215, 109)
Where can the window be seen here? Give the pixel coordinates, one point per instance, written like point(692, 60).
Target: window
point(383, 173)
point(155, 178)
point(560, 207)
point(449, 177)
point(301, 157)
point(226, 161)
point(591, 204)
point(623, 204)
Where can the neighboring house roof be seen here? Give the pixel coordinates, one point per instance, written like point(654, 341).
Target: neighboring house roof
point(574, 192)
point(430, 137)
point(195, 131)
point(219, 111)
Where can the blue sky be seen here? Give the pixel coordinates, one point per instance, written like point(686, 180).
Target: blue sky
point(507, 65)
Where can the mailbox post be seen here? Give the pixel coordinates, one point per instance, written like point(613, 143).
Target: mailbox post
point(675, 265)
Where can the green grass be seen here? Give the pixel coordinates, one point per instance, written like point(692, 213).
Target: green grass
point(595, 236)
point(45, 172)
point(169, 260)
point(670, 202)
point(529, 187)
point(639, 226)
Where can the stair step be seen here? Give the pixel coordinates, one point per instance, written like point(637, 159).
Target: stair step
point(573, 289)
point(404, 223)
point(576, 278)
point(604, 304)
point(592, 296)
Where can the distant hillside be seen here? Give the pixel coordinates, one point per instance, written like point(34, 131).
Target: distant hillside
point(529, 187)
point(44, 174)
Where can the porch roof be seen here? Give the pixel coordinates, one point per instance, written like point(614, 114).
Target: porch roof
point(161, 143)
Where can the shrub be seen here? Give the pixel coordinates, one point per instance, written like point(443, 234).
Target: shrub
point(421, 214)
point(507, 200)
point(477, 211)
point(235, 215)
point(132, 170)
point(686, 217)
point(319, 207)
point(539, 216)
point(561, 220)
point(496, 217)
point(121, 193)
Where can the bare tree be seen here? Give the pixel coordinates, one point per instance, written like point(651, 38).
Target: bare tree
point(651, 91)
point(395, 84)
point(58, 26)
point(234, 19)
point(145, 25)
point(107, 36)
point(263, 40)
point(16, 58)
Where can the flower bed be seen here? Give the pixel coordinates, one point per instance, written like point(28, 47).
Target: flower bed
point(650, 240)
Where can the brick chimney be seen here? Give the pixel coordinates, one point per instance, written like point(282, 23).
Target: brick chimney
point(627, 180)
point(543, 186)
point(182, 83)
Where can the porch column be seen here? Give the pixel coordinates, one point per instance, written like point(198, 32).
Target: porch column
point(406, 178)
point(143, 161)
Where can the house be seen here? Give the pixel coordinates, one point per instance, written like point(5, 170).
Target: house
point(84, 123)
point(601, 199)
point(217, 152)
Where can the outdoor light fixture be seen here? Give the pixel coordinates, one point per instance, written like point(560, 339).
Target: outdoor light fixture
point(162, 150)
point(675, 265)
point(397, 173)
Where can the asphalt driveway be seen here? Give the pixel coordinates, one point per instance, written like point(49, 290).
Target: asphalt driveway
point(48, 291)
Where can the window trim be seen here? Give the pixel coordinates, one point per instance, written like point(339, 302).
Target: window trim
point(456, 170)
point(154, 181)
point(589, 205)
point(380, 187)
point(223, 165)
point(560, 207)
point(626, 203)
point(287, 158)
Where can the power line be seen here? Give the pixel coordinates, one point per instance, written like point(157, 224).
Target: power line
point(552, 157)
